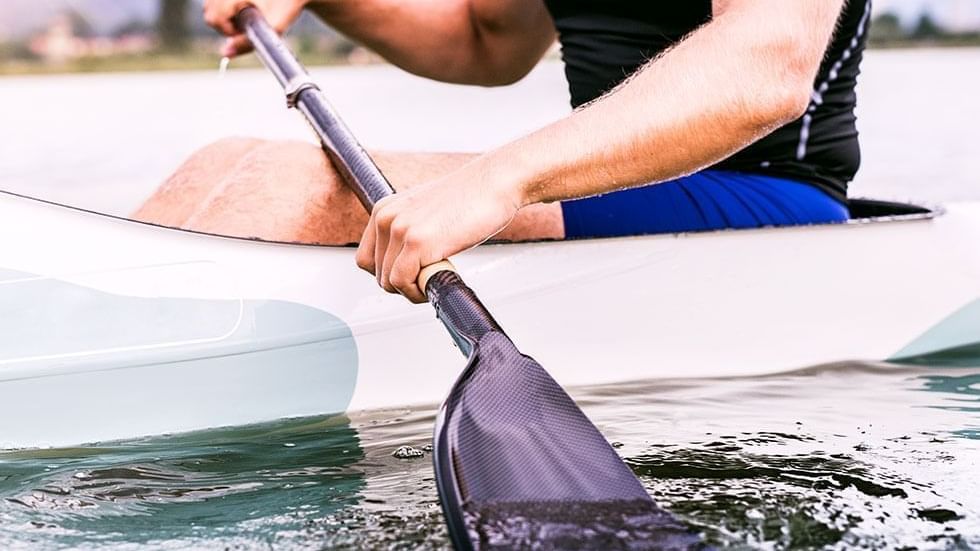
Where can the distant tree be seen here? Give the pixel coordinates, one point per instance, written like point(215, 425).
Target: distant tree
point(16, 51)
point(133, 26)
point(172, 25)
point(927, 28)
point(887, 27)
point(80, 26)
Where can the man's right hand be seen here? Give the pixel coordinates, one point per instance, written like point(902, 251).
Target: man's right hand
point(220, 14)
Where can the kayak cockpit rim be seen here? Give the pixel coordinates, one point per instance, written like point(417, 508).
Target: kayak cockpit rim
point(864, 211)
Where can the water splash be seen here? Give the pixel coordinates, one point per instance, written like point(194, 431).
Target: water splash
point(223, 66)
point(853, 456)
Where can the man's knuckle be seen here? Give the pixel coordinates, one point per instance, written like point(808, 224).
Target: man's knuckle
point(385, 217)
point(364, 260)
point(399, 280)
point(399, 227)
point(413, 238)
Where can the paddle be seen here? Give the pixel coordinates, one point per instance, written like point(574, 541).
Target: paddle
point(517, 462)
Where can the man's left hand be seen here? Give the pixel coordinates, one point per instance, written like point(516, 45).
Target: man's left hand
point(429, 223)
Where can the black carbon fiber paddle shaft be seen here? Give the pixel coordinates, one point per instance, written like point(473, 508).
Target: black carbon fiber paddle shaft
point(466, 320)
point(350, 159)
point(518, 465)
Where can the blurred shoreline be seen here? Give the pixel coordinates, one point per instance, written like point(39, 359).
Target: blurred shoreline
point(207, 60)
point(201, 61)
point(84, 36)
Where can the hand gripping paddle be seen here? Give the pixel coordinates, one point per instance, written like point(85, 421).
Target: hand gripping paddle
point(517, 462)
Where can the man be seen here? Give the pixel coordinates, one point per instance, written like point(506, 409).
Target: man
point(691, 115)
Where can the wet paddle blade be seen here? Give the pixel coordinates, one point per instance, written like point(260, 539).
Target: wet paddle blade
point(519, 465)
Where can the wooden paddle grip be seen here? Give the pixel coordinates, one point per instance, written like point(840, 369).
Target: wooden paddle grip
point(432, 269)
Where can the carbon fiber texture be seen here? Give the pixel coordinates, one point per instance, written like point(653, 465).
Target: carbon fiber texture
point(459, 310)
point(519, 445)
point(345, 152)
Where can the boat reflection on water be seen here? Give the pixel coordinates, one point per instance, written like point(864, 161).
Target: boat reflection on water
point(218, 488)
point(962, 394)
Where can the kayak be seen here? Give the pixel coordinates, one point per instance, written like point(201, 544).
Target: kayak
point(114, 329)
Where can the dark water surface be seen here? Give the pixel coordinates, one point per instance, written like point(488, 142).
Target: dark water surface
point(875, 456)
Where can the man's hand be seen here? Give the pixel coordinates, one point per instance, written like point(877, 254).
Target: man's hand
point(220, 14)
point(429, 223)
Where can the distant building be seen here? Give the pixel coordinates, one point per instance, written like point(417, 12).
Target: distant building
point(59, 43)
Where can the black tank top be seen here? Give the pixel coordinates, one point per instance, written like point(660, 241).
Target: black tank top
point(604, 41)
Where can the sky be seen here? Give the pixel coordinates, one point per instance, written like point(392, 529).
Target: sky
point(18, 17)
point(954, 14)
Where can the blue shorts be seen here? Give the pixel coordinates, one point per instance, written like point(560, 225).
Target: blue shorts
point(707, 200)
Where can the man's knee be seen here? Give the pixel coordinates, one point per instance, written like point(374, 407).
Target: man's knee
point(286, 158)
point(236, 142)
point(307, 162)
point(290, 191)
point(229, 148)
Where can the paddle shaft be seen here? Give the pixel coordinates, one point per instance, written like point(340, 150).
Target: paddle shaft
point(539, 449)
point(456, 305)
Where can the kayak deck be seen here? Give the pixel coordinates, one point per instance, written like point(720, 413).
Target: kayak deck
point(114, 329)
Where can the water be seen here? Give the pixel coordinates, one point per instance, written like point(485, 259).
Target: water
point(850, 455)
point(854, 455)
point(223, 66)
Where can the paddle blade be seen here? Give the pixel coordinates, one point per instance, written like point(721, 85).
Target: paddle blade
point(519, 465)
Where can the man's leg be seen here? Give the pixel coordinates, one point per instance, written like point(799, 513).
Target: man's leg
point(183, 193)
point(289, 191)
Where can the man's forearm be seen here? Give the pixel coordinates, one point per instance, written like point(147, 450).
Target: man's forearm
point(728, 84)
point(463, 41)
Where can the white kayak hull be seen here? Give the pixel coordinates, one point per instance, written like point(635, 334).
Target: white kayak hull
point(112, 329)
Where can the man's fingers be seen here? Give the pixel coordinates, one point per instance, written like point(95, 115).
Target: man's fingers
point(281, 18)
point(383, 216)
point(391, 248)
point(405, 271)
point(380, 246)
point(396, 245)
point(390, 253)
point(365, 251)
point(218, 15)
point(236, 45)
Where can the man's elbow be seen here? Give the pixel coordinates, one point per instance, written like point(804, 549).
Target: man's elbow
point(783, 45)
point(487, 75)
point(789, 80)
point(791, 101)
point(777, 104)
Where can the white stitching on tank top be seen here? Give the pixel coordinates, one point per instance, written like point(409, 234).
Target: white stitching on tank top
point(816, 96)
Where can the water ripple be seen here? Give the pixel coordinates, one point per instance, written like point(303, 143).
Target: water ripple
point(851, 455)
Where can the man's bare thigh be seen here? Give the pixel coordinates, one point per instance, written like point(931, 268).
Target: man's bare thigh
point(288, 191)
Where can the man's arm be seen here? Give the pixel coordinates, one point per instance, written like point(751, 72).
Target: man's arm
point(731, 82)
point(486, 42)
